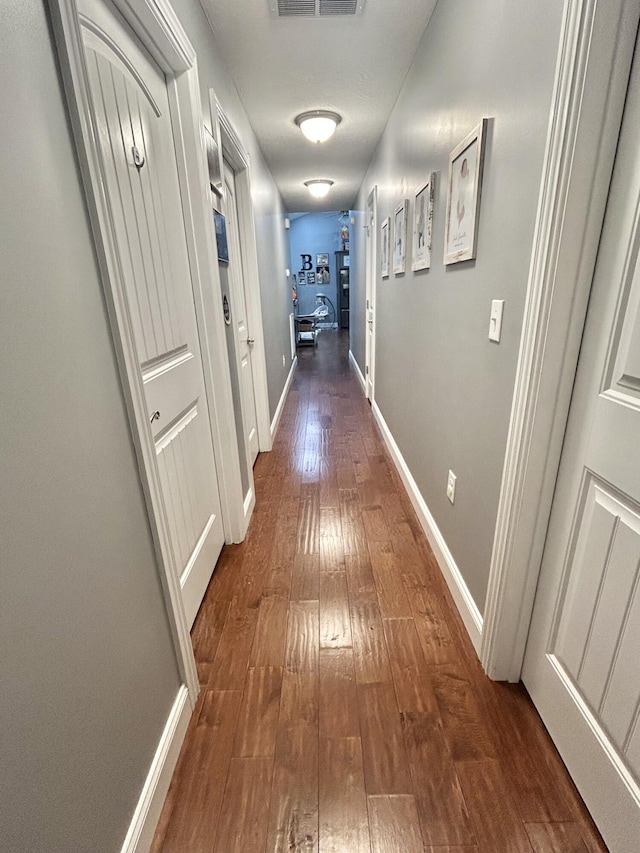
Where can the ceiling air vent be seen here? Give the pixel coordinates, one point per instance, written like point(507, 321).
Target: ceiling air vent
point(315, 8)
point(338, 7)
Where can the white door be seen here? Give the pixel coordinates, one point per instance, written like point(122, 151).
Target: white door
point(582, 664)
point(239, 315)
point(131, 109)
point(370, 285)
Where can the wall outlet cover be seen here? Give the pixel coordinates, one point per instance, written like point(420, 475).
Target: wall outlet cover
point(451, 486)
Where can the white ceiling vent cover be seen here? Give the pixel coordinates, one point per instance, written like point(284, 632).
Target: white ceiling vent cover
point(315, 8)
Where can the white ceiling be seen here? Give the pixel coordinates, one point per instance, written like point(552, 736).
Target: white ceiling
point(354, 65)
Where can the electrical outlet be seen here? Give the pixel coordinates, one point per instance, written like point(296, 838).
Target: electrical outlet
point(451, 486)
point(284, 363)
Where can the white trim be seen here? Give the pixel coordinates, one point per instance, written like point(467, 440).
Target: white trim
point(184, 97)
point(283, 399)
point(230, 145)
point(371, 285)
point(249, 503)
point(147, 813)
point(467, 607)
point(157, 26)
point(596, 47)
point(358, 372)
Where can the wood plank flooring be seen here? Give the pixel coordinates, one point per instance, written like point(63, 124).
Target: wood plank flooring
point(343, 709)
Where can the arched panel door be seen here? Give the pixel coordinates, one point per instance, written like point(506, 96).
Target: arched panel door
point(133, 126)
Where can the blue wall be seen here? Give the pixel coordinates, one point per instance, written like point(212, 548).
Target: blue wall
point(311, 234)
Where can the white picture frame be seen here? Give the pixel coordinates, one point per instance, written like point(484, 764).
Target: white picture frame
point(423, 225)
point(384, 247)
point(400, 216)
point(464, 190)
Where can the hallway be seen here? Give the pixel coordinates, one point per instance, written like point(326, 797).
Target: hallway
point(343, 708)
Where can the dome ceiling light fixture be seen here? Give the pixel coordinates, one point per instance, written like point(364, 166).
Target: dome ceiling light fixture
point(318, 125)
point(319, 187)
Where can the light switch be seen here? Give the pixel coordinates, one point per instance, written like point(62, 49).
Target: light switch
point(495, 323)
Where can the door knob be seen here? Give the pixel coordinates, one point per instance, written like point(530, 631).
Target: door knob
point(251, 340)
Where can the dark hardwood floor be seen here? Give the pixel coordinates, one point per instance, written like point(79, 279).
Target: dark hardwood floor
point(343, 708)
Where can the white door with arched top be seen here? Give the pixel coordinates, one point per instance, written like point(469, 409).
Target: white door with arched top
point(133, 125)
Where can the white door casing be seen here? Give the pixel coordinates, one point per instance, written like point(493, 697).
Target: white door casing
point(133, 125)
point(242, 336)
point(594, 57)
point(234, 153)
point(581, 663)
point(157, 27)
point(371, 236)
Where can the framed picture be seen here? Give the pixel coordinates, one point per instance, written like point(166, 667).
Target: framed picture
point(400, 237)
point(423, 225)
point(322, 275)
point(221, 237)
point(384, 249)
point(214, 162)
point(302, 277)
point(311, 278)
point(322, 259)
point(463, 196)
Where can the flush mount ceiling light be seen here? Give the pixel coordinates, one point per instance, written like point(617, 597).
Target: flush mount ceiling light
point(318, 125)
point(318, 188)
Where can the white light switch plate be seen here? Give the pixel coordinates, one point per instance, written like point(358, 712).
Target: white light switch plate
point(495, 323)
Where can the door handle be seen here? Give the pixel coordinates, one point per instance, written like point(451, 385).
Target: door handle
point(154, 417)
point(251, 340)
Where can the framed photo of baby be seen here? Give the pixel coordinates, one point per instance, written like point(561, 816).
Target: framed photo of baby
point(422, 225)
point(466, 162)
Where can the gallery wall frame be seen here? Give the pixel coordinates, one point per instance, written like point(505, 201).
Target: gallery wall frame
point(464, 190)
point(423, 225)
point(400, 216)
point(214, 162)
point(384, 247)
point(221, 236)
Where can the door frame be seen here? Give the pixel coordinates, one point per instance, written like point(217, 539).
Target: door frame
point(232, 328)
point(158, 29)
point(594, 61)
point(232, 150)
point(371, 266)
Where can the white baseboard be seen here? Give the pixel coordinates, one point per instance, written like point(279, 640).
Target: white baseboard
point(467, 607)
point(356, 367)
point(147, 813)
point(283, 398)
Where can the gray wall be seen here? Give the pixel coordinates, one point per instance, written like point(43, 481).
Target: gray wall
point(269, 214)
point(444, 389)
point(87, 668)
